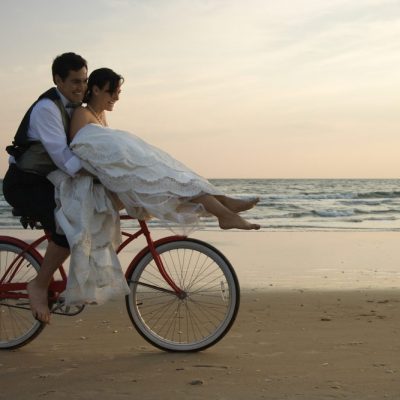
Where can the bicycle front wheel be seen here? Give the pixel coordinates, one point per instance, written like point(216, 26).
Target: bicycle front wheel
point(199, 318)
point(17, 325)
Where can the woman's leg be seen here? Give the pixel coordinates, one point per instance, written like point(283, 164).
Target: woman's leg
point(226, 218)
point(237, 205)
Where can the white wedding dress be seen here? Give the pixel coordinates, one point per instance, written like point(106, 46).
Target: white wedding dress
point(149, 183)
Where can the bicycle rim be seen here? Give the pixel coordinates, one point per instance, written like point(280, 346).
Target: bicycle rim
point(17, 325)
point(197, 321)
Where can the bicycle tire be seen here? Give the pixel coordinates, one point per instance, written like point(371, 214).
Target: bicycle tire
point(17, 325)
point(189, 324)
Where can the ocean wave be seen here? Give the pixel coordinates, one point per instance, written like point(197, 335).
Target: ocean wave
point(337, 228)
point(333, 213)
point(351, 212)
point(372, 203)
point(392, 218)
point(299, 196)
point(303, 204)
point(349, 196)
point(280, 206)
point(379, 195)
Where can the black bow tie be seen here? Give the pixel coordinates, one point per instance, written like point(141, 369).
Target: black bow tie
point(73, 105)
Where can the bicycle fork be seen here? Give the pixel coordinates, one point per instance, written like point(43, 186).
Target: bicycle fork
point(181, 294)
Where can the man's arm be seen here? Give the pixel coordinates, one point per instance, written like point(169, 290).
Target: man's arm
point(46, 125)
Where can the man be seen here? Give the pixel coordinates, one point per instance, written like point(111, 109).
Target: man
point(39, 147)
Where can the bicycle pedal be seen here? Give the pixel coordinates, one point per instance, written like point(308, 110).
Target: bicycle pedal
point(58, 305)
point(60, 308)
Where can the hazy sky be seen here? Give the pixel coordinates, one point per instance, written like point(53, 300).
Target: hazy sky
point(233, 88)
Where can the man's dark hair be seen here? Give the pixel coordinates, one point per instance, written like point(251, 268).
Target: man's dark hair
point(66, 62)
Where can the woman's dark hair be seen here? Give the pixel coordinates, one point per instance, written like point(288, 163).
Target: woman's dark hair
point(67, 62)
point(100, 77)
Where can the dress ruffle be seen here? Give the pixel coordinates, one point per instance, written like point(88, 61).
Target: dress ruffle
point(148, 181)
point(87, 215)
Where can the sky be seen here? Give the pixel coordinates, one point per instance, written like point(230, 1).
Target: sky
point(232, 88)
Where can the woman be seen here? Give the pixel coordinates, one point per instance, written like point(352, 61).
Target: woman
point(147, 180)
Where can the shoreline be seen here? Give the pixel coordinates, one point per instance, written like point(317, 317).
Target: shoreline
point(293, 260)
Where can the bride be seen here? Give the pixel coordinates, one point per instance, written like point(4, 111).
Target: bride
point(136, 176)
point(147, 181)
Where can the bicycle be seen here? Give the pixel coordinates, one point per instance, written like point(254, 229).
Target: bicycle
point(184, 293)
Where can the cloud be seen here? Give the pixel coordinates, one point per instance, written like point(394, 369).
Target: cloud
point(278, 73)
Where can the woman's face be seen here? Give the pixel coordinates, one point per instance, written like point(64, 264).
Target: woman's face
point(106, 98)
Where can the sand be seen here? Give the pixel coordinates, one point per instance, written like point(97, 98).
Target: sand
point(319, 319)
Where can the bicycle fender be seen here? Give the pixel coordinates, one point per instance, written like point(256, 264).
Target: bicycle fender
point(146, 250)
point(24, 245)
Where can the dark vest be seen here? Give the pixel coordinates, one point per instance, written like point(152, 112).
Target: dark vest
point(31, 156)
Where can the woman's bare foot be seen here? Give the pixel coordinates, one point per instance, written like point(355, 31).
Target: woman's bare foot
point(38, 300)
point(238, 205)
point(236, 221)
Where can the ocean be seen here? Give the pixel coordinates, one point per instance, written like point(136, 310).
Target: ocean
point(303, 204)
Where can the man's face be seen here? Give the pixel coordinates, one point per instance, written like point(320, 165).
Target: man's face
point(73, 87)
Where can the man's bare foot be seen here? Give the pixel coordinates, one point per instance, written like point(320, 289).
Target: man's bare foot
point(238, 205)
point(236, 221)
point(38, 300)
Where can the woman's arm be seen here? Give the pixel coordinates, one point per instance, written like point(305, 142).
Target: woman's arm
point(80, 118)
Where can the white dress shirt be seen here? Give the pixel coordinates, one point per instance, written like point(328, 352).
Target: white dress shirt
point(46, 126)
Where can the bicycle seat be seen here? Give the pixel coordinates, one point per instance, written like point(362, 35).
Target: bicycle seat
point(26, 220)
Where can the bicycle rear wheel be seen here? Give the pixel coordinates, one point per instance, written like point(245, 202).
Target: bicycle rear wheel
point(17, 324)
point(192, 322)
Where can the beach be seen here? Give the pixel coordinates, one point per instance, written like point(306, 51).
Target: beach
point(319, 319)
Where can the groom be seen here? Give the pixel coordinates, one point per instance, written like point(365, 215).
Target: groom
point(39, 147)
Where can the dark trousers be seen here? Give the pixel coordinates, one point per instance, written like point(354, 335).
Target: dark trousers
point(34, 195)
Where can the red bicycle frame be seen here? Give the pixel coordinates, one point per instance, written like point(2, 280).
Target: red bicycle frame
point(14, 290)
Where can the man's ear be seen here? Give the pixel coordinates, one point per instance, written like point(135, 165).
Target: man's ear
point(57, 80)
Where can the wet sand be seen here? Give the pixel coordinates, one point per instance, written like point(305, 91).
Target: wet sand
point(319, 319)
